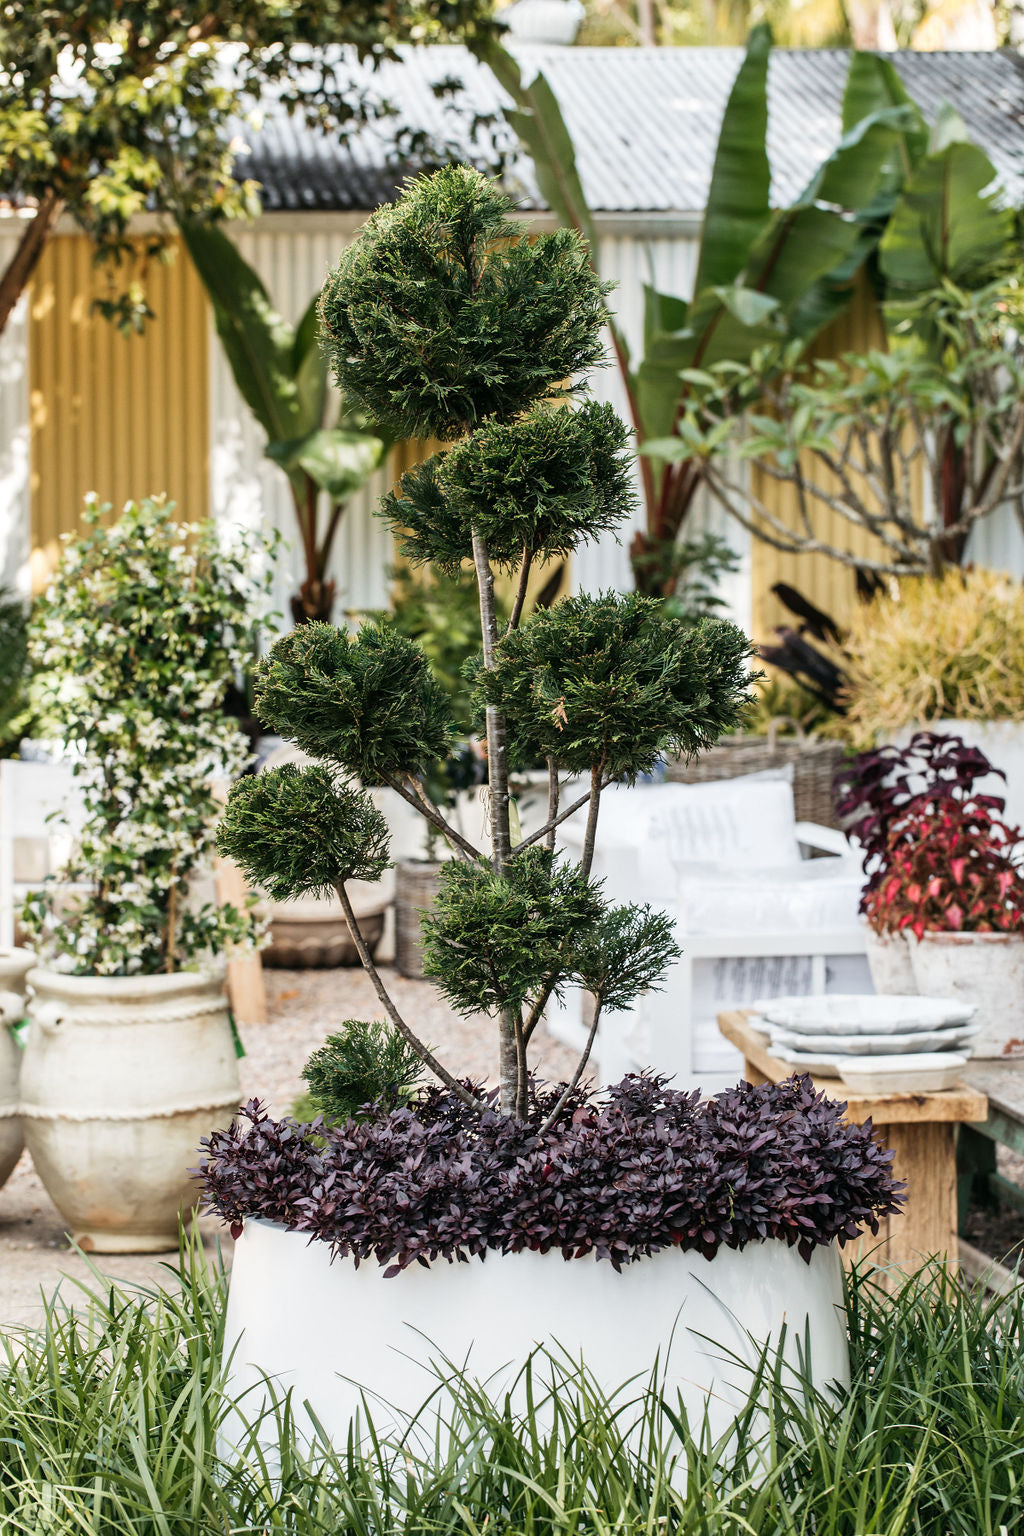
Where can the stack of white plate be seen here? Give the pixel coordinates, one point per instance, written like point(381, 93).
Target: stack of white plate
point(872, 1043)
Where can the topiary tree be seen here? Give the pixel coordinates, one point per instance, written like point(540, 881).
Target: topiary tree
point(444, 319)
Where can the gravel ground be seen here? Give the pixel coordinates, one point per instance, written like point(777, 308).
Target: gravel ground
point(304, 1007)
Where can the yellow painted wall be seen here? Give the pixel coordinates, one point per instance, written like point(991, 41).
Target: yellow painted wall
point(827, 583)
point(125, 417)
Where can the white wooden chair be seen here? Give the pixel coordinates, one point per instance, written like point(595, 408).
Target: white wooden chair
point(754, 915)
point(39, 805)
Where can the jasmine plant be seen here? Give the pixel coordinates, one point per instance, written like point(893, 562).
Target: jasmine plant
point(444, 320)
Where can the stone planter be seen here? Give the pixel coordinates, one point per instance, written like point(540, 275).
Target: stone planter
point(888, 956)
point(14, 967)
point(308, 933)
point(986, 969)
point(416, 885)
point(121, 1078)
point(675, 1309)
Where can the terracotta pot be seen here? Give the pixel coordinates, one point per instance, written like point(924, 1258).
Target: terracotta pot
point(986, 969)
point(121, 1078)
point(15, 965)
point(889, 962)
point(702, 1323)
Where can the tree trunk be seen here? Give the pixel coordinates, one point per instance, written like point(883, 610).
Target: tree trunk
point(19, 270)
point(501, 839)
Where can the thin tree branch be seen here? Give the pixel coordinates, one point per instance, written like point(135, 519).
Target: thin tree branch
point(580, 1069)
point(424, 1052)
point(550, 826)
point(553, 794)
point(421, 803)
point(18, 273)
point(524, 577)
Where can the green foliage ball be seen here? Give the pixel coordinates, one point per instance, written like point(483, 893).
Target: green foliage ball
point(369, 703)
point(363, 1064)
point(614, 683)
point(295, 832)
point(546, 482)
point(443, 312)
point(623, 954)
point(492, 939)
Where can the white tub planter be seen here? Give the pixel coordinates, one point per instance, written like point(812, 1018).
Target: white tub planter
point(327, 1330)
point(121, 1078)
point(15, 965)
point(892, 971)
point(986, 969)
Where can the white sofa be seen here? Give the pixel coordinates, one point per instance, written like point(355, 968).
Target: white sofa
point(754, 914)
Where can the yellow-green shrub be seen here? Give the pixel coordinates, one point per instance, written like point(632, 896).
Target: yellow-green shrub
point(946, 648)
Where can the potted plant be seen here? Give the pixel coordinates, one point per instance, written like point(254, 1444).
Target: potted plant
point(954, 884)
point(443, 320)
point(14, 966)
point(130, 1055)
point(874, 792)
point(945, 654)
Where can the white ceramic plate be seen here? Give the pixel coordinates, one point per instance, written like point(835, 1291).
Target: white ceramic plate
point(875, 1045)
point(854, 1015)
point(902, 1074)
point(819, 1065)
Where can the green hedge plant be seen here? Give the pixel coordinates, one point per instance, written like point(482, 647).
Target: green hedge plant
point(444, 320)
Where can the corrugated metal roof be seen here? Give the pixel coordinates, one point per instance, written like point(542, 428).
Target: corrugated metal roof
point(644, 121)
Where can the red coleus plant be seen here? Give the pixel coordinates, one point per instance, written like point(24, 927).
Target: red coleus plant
point(950, 867)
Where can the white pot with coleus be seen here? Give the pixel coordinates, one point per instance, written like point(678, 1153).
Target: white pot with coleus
point(944, 897)
point(131, 1054)
point(678, 1219)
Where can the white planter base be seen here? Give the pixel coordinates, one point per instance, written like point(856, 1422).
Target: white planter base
point(986, 969)
point(330, 1332)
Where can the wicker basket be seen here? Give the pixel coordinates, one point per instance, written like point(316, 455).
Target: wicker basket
point(814, 764)
point(416, 884)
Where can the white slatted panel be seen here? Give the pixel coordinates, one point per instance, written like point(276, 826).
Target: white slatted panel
point(245, 486)
point(998, 542)
point(14, 435)
point(669, 263)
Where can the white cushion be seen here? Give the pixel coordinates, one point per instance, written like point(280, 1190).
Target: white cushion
point(814, 896)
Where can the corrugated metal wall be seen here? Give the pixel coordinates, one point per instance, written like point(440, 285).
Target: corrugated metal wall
point(669, 262)
point(122, 416)
point(247, 487)
point(15, 543)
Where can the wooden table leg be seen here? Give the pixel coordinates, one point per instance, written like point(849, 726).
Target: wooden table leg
point(754, 1075)
point(245, 974)
point(925, 1158)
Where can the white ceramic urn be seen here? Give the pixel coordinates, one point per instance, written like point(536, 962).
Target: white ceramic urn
point(14, 967)
point(121, 1078)
point(986, 969)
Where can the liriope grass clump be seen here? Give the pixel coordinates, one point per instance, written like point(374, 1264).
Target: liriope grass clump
point(115, 1421)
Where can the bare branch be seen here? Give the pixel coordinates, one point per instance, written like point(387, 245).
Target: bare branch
point(423, 1051)
point(520, 599)
point(580, 1068)
point(420, 802)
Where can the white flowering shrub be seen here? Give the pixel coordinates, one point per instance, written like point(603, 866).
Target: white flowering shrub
point(146, 624)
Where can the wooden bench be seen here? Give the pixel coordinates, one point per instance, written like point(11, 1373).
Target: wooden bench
point(1002, 1083)
point(919, 1127)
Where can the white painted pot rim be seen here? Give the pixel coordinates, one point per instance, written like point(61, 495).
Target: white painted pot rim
point(122, 989)
point(941, 936)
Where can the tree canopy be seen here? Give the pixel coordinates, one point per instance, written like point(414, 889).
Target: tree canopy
point(110, 108)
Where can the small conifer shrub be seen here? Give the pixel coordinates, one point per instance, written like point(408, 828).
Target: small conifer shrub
point(444, 320)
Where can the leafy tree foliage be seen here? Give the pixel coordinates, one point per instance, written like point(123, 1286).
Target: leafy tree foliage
point(362, 1065)
point(544, 484)
point(369, 703)
point(442, 313)
point(443, 319)
point(611, 683)
point(296, 832)
point(108, 110)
